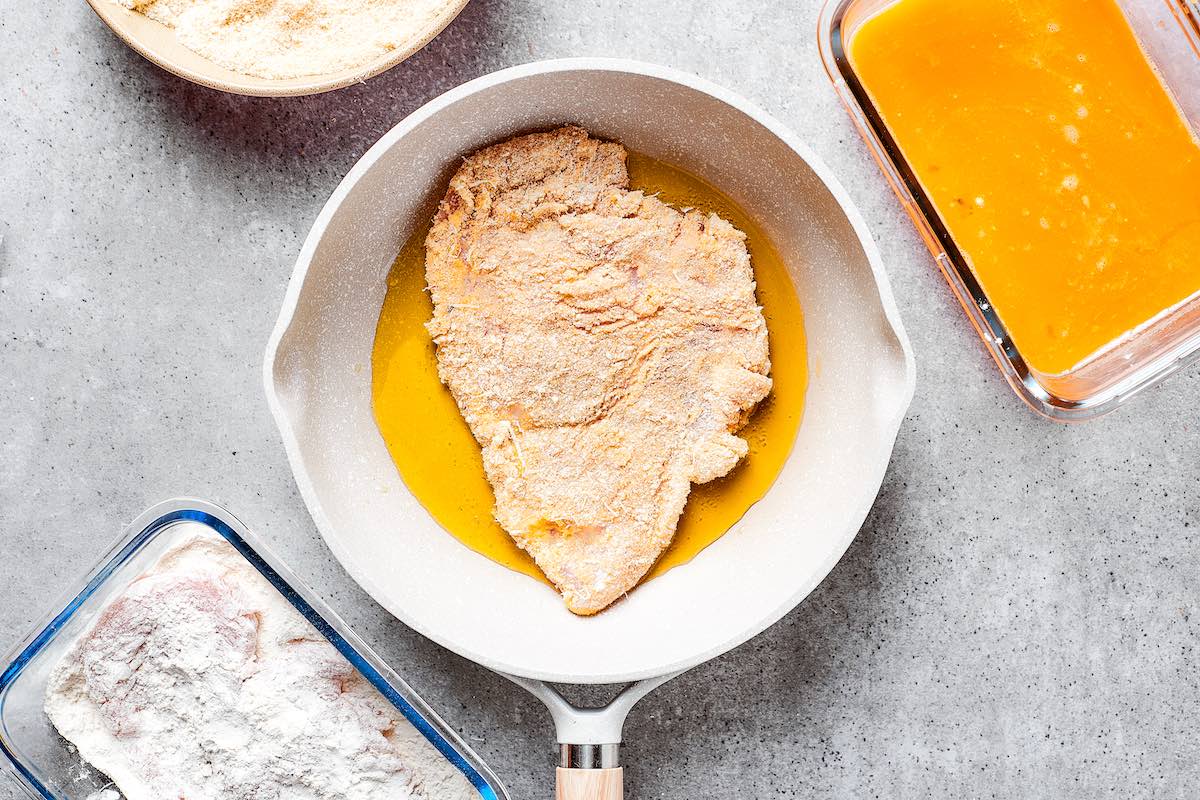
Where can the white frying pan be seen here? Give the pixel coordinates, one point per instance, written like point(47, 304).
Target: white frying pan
point(318, 377)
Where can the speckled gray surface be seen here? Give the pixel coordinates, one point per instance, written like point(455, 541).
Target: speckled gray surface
point(1017, 618)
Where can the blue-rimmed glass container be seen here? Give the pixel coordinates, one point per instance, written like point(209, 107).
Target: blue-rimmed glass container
point(47, 767)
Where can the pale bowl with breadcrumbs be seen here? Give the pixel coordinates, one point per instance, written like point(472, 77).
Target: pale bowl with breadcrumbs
point(159, 44)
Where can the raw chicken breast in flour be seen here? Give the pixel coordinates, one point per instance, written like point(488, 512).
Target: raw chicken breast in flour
point(202, 682)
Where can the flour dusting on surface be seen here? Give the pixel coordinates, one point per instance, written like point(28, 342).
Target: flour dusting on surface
point(202, 681)
point(279, 39)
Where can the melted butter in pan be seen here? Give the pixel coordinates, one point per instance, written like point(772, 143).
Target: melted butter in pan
point(440, 462)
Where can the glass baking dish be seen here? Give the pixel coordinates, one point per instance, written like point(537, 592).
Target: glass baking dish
point(1169, 34)
point(46, 766)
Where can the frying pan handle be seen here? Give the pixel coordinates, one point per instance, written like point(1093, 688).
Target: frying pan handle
point(589, 738)
point(589, 784)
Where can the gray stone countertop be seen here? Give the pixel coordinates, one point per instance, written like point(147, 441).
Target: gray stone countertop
point(1014, 620)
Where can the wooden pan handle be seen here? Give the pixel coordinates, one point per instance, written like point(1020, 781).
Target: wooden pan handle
point(589, 784)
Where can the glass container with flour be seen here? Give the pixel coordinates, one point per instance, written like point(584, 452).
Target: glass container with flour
point(191, 662)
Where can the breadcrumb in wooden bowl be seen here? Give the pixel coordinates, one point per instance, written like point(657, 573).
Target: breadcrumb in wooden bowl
point(272, 50)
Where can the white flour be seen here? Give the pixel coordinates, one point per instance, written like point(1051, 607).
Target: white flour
point(201, 681)
point(292, 38)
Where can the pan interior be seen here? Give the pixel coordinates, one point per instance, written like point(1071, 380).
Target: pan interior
point(319, 382)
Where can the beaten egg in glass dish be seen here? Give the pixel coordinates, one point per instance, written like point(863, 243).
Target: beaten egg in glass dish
point(1053, 171)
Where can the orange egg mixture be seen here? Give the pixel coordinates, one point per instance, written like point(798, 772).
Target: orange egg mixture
point(440, 461)
point(1054, 155)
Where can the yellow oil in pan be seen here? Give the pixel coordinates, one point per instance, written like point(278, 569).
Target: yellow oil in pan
point(440, 461)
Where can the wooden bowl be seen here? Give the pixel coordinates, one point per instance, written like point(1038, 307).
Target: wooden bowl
point(158, 43)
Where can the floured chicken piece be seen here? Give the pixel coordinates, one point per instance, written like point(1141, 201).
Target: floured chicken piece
point(603, 346)
point(201, 681)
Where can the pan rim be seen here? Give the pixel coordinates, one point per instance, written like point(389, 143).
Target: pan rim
point(887, 303)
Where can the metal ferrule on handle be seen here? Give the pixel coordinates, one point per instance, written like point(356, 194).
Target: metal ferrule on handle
point(589, 756)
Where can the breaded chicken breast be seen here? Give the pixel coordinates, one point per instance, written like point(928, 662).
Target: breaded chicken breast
point(603, 346)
